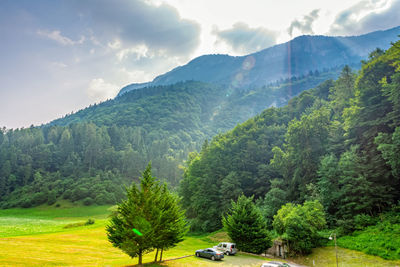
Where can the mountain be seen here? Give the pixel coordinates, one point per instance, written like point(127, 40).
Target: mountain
point(294, 58)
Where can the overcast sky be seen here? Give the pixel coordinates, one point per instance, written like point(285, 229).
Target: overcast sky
point(59, 56)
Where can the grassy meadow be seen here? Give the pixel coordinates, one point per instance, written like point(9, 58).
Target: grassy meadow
point(38, 237)
point(326, 257)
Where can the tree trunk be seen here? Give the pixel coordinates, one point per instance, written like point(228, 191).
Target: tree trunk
point(155, 258)
point(140, 258)
point(161, 254)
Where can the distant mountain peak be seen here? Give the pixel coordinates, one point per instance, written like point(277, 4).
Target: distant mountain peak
point(296, 57)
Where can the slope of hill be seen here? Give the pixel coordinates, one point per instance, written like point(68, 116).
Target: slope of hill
point(338, 143)
point(294, 58)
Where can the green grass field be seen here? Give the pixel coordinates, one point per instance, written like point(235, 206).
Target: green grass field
point(17, 222)
point(37, 237)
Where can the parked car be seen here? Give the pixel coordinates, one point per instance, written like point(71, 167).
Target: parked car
point(226, 248)
point(275, 264)
point(210, 253)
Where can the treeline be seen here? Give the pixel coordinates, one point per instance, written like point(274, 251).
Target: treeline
point(338, 143)
point(79, 162)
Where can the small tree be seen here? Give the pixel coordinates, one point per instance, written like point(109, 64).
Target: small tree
point(246, 226)
point(299, 225)
point(136, 212)
point(155, 215)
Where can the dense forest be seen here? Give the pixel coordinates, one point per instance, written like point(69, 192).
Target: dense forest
point(338, 143)
point(90, 155)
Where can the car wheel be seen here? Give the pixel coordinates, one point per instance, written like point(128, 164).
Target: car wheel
point(226, 253)
point(212, 258)
point(197, 254)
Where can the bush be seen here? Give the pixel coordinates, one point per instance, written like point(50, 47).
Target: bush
point(100, 199)
point(51, 198)
point(67, 194)
point(363, 220)
point(26, 203)
point(299, 225)
point(72, 225)
point(382, 239)
point(39, 198)
point(89, 221)
point(88, 201)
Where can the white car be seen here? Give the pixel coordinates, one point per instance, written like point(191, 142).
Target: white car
point(226, 248)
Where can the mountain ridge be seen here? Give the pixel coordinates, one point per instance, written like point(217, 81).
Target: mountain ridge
point(294, 58)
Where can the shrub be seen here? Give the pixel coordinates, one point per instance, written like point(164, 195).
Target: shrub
point(299, 225)
point(72, 225)
point(89, 221)
point(88, 201)
point(363, 220)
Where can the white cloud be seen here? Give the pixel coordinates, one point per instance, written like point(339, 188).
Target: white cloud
point(122, 24)
point(135, 52)
point(99, 90)
point(305, 24)
point(244, 39)
point(59, 38)
point(367, 16)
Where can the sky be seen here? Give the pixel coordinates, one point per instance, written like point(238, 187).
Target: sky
point(59, 56)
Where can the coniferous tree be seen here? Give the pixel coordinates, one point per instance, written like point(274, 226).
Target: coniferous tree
point(136, 212)
point(154, 212)
point(246, 226)
point(328, 185)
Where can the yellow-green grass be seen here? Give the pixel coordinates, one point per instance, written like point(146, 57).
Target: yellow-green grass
point(89, 247)
point(37, 237)
point(326, 257)
point(17, 222)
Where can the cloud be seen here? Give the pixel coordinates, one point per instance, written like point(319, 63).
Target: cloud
point(244, 39)
point(99, 90)
point(304, 25)
point(123, 23)
point(56, 36)
point(367, 16)
point(136, 52)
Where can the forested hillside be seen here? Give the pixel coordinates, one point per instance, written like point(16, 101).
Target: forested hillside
point(88, 156)
point(338, 143)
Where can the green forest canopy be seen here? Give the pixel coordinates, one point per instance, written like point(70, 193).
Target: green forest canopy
point(90, 155)
point(337, 143)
